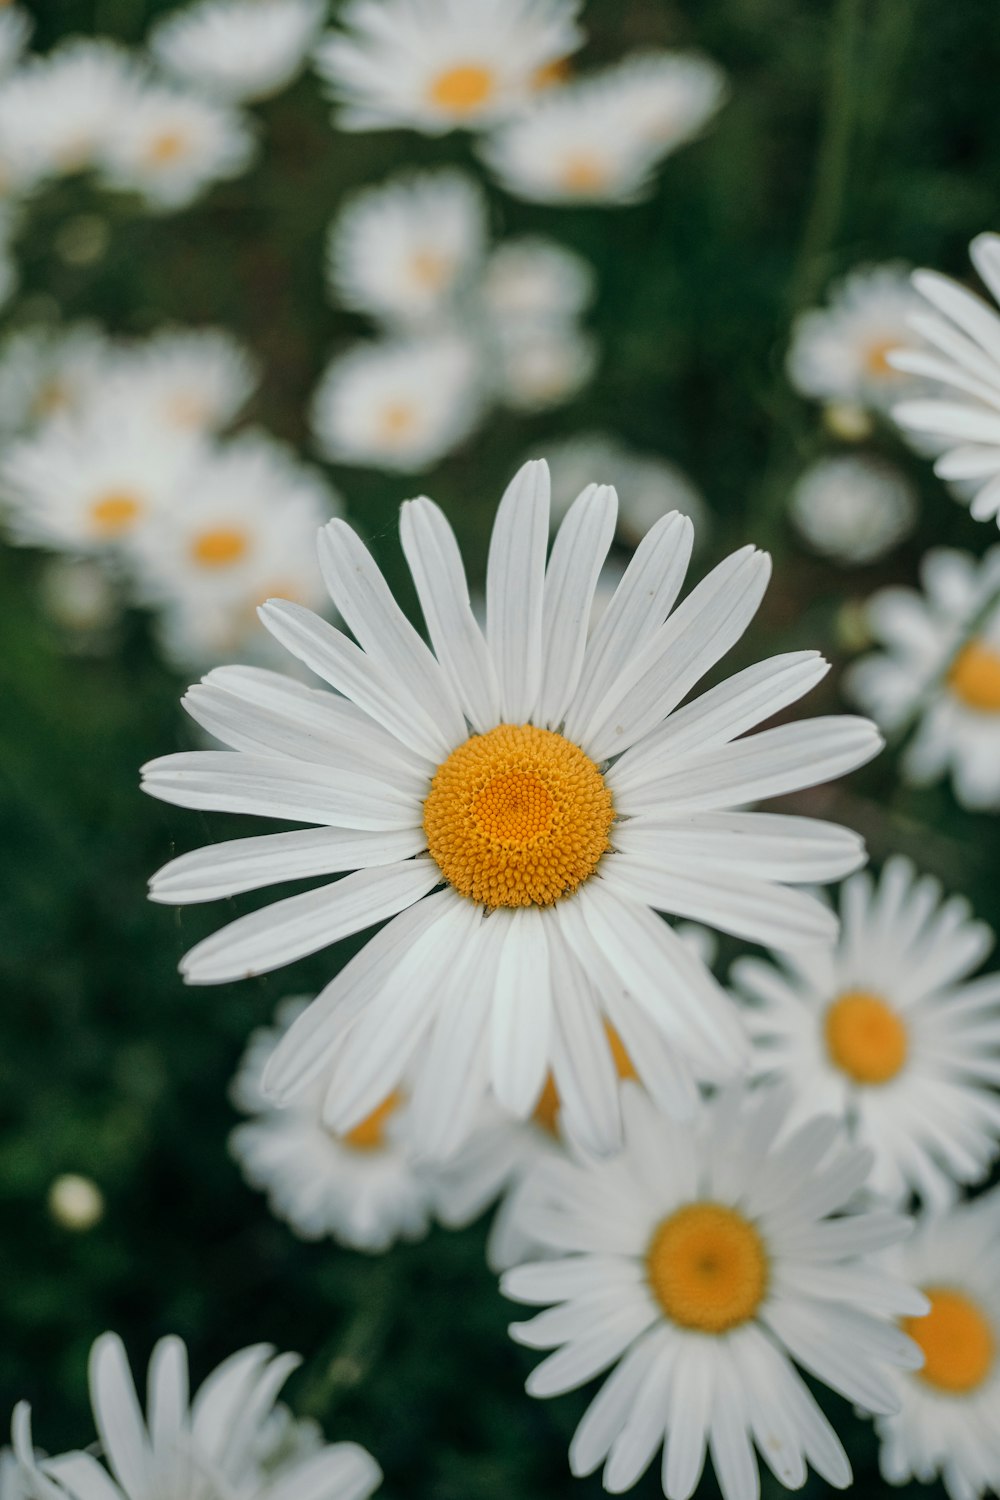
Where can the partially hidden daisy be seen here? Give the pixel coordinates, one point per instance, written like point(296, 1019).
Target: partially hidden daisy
point(211, 1443)
point(47, 372)
point(170, 145)
point(948, 1425)
point(59, 111)
point(887, 1031)
point(195, 380)
point(520, 803)
point(939, 672)
point(442, 64)
point(853, 508)
point(700, 1267)
point(648, 485)
point(238, 50)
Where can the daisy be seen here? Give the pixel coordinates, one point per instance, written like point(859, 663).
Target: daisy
point(887, 1031)
point(238, 50)
point(58, 112)
point(840, 353)
point(538, 368)
point(961, 339)
point(940, 667)
point(79, 595)
point(670, 95)
point(534, 280)
point(364, 1188)
point(853, 508)
point(398, 405)
point(948, 1424)
point(200, 1447)
point(648, 486)
point(194, 380)
point(519, 803)
point(442, 64)
point(704, 1264)
point(404, 251)
point(170, 146)
point(46, 372)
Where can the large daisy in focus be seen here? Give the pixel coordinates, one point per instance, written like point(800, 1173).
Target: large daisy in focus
point(520, 803)
point(887, 1031)
point(701, 1267)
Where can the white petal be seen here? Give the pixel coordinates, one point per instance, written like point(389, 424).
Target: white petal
point(117, 1414)
point(583, 1068)
point(578, 553)
point(949, 419)
point(771, 846)
point(341, 1471)
point(515, 578)
point(688, 1418)
point(521, 1023)
point(167, 1393)
point(607, 1413)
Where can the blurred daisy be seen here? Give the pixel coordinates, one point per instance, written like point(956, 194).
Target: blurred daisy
point(853, 509)
point(532, 280)
point(648, 486)
point(397, 405)
point(442, 64)
point(46, 372)
point(670, 96)
point(544, 366)
point(15, 29)
point(948, 1425)
point(363, 1188)
point(704, 1264)
point(886, 1031)
point(840, 353)
point(404, 251)
point(961, 338)
point(549, 800)
point(940, 667)
point(79, 595)
point(169, 146)
point(239, 50)
point(193, 380)
point(210, 1444)
point(58, 112)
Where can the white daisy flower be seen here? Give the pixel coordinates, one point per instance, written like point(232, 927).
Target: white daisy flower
point(940, 667)
point(541, 367)
point(948, 1425)
point(364, 1188)
point(199, 1447)
point(887, 1031)
point(853, 508)
point(58, 112)
point(48, 372)
point(442, 64)
point(398, 405)
point(961, 338)
point(404, 251)
point(194, 380)
point(238, 50)
point(648, 486)
point(521, 804)
point(840, 353)
point(701, 1264)
point(671, 96)
point(80, 596)
point(169, 146)
point(15, 29)
point(534, 280)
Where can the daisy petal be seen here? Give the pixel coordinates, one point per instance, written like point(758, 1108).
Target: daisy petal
point(578, 553)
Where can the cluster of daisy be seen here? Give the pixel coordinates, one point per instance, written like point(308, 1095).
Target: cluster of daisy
point(116, 456)
point(504, 70)
point(461, 325)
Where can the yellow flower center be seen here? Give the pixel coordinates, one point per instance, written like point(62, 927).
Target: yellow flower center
point(975, 677)
point(549, 1103)
point(50, 397)
point(552, 73)
point(219, 549)
point(166, 148)
point(957, 1340)
point(429, 269)
point(187, 410)
point(370, 1134)
point(584, 174)
point(114, 513)
point(463, 89)
point(877, 358)
point(865, 1038)
point(708, 1267)
point(517, 817)
point(396, 421)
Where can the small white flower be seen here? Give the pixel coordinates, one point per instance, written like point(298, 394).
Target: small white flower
point(48, 372)
point(840, 353)
point(670, 96)
point(191, 380)
point(169, 146)
point(887, 1031)
point(398, 405)
point(404, 252)
point(58, 112)
point(238, 50)
point(853, 508)
point(700, 1268)
point(543, 366)
point(536, 280)
point(648, 486)
point(80, 595)
point(438, 65)
point(940, 667)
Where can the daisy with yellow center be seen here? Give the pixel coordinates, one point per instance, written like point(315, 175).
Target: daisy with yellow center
point(171, 145)
point(521, 804)
point(887, 1030)
point(694, 1273)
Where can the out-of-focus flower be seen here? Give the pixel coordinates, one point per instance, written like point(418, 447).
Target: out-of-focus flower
point(886, 1031)
point(398, 405)
point(961, 338)
point(168, 146)
point(79, 595)
point(703, 1264)
point(853, 508)
point(238, 50)
point(76, 1203)
point(404, 252)
point(15, 29)
point(184, 1440)
point(670, 96)
point(439, 65)
point(534, 280)
point(648, 486)
point(47, 372)
point(840, 352)
point(948, 1424)
point(544, 366)
point(191, 380)
point(940, 667)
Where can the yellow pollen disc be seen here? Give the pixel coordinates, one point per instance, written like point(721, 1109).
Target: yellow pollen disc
point(552, 73)
point(708, 1267)
point(865, 1038)
point(975, 677)
point(166, 148)
point(549, 1103)
point(583, 174)
point(114, 513)
point(517, 817)
point(396, 421)
point(462, 89)
point(877, 358)
point(370, 1134)
point(957, 1339)
point(429, 269)
point(219, 549)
